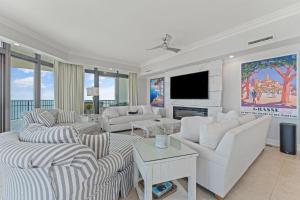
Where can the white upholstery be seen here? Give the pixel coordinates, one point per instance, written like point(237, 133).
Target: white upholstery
point(227, 116)
point(190, 127)
point(218, 170)
point(123, 121)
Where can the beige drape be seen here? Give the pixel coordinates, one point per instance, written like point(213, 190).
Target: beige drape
point(69, 84)
point(133, 96)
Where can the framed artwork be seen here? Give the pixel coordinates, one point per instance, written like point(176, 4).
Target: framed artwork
point(157, 87)
point(270, 87)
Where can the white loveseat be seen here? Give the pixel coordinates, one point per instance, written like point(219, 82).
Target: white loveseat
point(118, 119)
point(219, 169)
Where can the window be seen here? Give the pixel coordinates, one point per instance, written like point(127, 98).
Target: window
point(88, 100)
point(107, 86)
point(22, 90)
point(47, 87)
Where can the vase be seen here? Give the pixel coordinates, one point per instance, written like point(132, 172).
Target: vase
point(161, 141)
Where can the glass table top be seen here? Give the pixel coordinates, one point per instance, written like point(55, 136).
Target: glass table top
point(148, 152)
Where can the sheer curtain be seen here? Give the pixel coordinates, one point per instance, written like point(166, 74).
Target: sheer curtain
point(68, 84)
point(133, 97)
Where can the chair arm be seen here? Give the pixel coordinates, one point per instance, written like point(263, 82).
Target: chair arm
point(109, 165)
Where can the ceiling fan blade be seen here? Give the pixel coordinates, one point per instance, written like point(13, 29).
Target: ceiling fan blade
point(157, 47)
point(173, 49)
point(168, 38)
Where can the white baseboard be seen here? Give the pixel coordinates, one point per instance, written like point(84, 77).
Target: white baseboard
point(276, 143)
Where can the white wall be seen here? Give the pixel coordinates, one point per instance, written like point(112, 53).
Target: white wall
point(215, 87)
point(231, 86)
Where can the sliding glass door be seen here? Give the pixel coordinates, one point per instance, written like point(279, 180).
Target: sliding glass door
point(22, 90)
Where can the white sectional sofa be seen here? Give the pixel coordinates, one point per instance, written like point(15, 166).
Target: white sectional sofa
point(219, 169)
point(118, 118)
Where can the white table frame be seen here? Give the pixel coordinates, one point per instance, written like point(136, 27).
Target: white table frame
point(163, 170)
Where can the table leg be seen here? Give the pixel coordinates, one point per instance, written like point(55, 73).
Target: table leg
point(148, 185)
point(192, 185)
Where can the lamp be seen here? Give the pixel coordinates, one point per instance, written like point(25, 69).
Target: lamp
point(94, 92)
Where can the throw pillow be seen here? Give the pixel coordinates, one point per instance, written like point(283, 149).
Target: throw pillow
point(111, 113)
point(98, 143)
point(37, 133)
point(211, 134)
point(46, 118)
point(66, 117)
point(190, 127)
point(27, 118)
point(246, 118)
point(147, 109)
point(35, 114)
point(122, 110)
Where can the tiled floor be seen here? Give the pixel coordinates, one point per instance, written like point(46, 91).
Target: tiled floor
point(273, 176)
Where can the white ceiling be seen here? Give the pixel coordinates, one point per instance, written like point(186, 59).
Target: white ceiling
point(122, 30)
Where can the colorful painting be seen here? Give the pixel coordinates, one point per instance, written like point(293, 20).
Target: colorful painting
point(157, 92)
point(269, 87)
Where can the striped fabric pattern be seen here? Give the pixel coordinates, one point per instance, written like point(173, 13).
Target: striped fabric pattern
point(98, 143)
point(66, 116)
point(37, 133)
point(35, 114)
point(46, 118)
point(109, 165)
point(27, 118)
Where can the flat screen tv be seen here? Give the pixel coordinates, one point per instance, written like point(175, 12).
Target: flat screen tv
point(190, 86)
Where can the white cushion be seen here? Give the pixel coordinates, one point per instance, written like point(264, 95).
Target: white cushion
point(246, 118)
point(123, 110)
point(211, 134)
point(190, 127)
point(111, 113)
point(231, 115)
point(147, 109)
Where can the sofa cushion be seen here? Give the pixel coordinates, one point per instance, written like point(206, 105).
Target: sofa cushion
point(98, 143)
point(246, 118)
point(211, 134)
point(122, 110)
point(123, 119)
point(147, 109)
point(111, 113)
point(190, 127)
point(231, 115)
point(27, 118)
point(35, 114)
point(66, 116)
point(46, 118)
point(37, 133)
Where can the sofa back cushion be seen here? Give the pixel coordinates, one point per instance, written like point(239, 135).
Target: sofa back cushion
point(246, 118)
point(190, 127)
point(211, 134)
point(46, 118)
point(231, 115)
point(147, 109)
point(66, 116)
point(122, 110)
point(98, 143)
point(37, 133)
point(111, 112)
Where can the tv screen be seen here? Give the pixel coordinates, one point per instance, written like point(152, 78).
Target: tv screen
point(190, 86)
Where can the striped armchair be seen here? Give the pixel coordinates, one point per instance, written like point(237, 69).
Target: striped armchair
point(35, 171)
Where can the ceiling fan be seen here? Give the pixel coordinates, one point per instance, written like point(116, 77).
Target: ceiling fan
point(165, 45)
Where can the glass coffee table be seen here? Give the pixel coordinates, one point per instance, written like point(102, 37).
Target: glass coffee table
point(149, 126)
point(160, 165)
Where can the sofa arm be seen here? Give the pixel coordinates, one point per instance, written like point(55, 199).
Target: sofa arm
point(110, 165)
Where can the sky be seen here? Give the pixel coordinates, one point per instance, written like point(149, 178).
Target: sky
point(22, 85)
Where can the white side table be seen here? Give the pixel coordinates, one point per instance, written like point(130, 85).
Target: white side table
point(161, 165)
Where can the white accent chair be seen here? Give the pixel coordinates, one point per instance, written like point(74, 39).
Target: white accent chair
point(219, 169)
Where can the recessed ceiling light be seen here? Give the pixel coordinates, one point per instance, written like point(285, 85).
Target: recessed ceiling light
point(111, 69)
point(16, 44)
point(231, 56)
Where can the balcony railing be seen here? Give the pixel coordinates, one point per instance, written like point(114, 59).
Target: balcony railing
point(17, 107)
